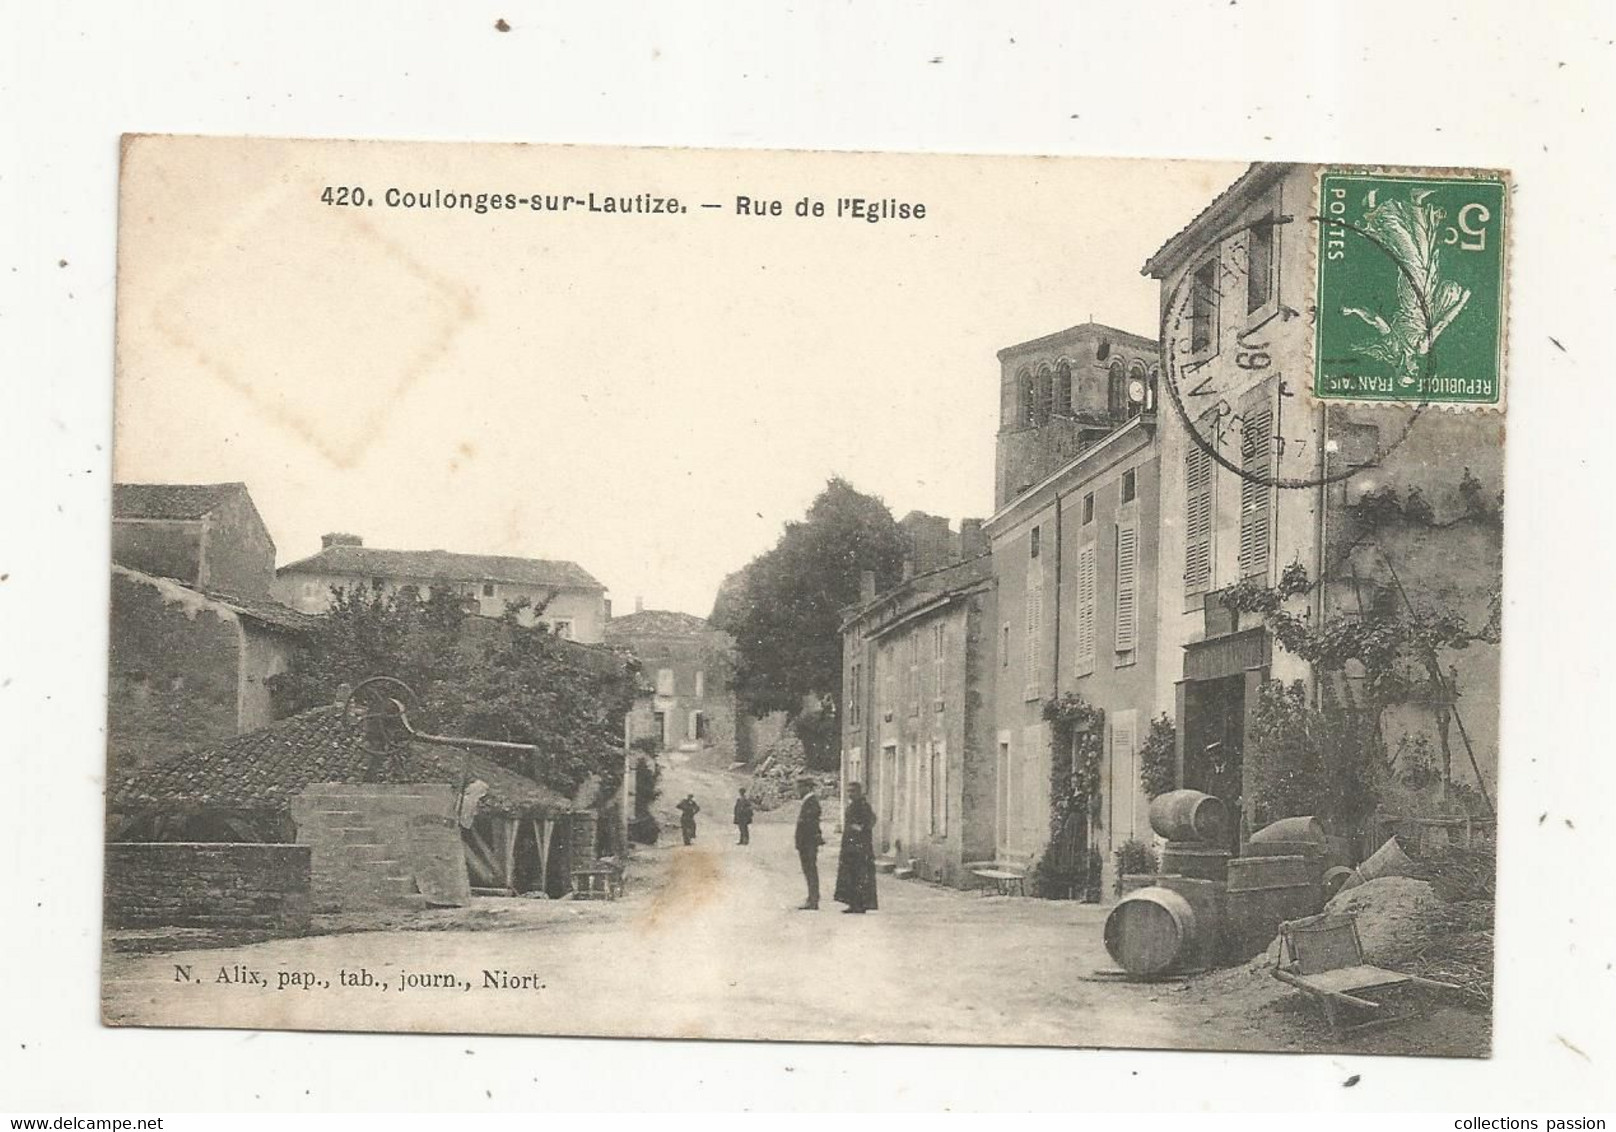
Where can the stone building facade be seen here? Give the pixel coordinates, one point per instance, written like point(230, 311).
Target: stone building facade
point(1074, 562)
point(689, 666)
point(917, 716)
point(1236, 284)
point(209, 536)
point(194, 634)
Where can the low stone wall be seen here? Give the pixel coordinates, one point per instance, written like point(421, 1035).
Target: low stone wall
point(207, 885)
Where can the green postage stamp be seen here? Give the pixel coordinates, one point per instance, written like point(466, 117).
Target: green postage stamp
point(1411, 288)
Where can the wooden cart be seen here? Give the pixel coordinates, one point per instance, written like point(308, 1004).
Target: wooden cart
point(1322, 956)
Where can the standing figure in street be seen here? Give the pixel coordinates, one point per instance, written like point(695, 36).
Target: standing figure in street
point(855, 874)
point(688, 809)
point(743, 817)
point(809, 840)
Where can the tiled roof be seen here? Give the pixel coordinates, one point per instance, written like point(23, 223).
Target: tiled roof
point(266, 612)
point(373, 562)
point(921, 589)
point(657, 623)
point(264, 769)
point(170, 500)
point(1081, 330)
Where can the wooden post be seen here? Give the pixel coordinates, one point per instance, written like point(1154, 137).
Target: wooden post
point(508, 829)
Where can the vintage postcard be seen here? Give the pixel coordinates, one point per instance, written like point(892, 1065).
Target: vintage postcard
point(806, 596)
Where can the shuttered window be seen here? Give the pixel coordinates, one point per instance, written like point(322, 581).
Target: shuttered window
point(1033, 651)
point(914, 672)
point(1124, 765)
point(1087, 609)
point(1256, 459)
point(1197, 521)
point(1127, 588)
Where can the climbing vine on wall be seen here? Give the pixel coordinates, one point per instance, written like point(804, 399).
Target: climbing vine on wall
point(1077, 740)
point(1158, 758)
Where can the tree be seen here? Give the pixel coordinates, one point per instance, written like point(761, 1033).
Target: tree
point(478, 677)
point(785, 613)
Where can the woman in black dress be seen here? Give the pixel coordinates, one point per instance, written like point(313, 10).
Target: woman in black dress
point(855, 873)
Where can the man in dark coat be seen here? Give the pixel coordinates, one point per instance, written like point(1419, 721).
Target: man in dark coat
point(809, 840)
point(688, 809)
point(855, 874)
point(743, 817)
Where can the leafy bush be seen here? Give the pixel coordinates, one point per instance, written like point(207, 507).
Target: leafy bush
point(1134, 858)
point(1158, 758)
point(1325, 759)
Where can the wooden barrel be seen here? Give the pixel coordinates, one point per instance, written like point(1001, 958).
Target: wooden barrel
point(1387, 861)
point(1189, 815)
point(1263, 893)
point(1291, 829)
point(1151, 932)
point(1195, 859)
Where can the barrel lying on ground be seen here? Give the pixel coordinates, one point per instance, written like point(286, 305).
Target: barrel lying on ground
point(1155, 931)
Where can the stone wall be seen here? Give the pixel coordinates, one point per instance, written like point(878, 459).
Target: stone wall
point(207, 885)
point(238, 556)
point(370, 841)
point(173, 672)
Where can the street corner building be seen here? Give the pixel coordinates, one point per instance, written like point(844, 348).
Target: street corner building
point(1379, 509)
point(562, 594)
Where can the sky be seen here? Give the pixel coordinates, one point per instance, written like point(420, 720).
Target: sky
point(651, 395)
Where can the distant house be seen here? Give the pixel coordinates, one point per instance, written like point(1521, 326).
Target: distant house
point(194, 633)
point(207, 535)
point(573, 602)
point(688, 663)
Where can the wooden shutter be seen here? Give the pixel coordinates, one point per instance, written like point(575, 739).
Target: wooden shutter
point(1034, 652)
point(1087, 608)
point(1124, 759)
point(1127, 588)
point(1256, 459)
point(1197, 521)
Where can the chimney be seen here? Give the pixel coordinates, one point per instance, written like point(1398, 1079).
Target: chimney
point(639, 604)
point(973, 543)
point(908, 568)
point(866, 586)
point(608, 602)
point(337, 538)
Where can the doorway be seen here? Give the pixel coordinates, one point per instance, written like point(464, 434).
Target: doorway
point(1214, 743)
point(889, 789)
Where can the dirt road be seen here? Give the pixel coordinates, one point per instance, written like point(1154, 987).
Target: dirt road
point(707, 943)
